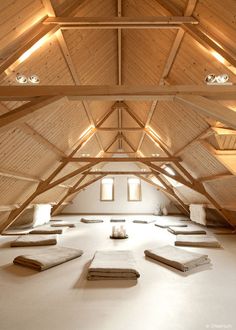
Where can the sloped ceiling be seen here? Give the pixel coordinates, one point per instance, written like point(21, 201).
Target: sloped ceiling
point(32, 149)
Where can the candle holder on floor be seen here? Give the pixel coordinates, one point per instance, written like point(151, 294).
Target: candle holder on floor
point(118, 233)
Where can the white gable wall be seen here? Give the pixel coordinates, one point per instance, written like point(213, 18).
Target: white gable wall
point(88, 201)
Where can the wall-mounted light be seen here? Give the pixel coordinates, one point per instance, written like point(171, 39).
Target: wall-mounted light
point(222, 79)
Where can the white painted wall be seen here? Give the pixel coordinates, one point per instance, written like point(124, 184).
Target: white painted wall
point(88, 201)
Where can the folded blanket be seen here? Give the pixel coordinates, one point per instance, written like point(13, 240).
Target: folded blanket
point(90, 220)
point(143, 221)
point(112, 265)
point(165, 223)
point(70, 225)
point(197, 240)
point(117, 220)
point(48, 258)
point(47, 231)
point(34, 240)
point(186, 231)
point(177, 258)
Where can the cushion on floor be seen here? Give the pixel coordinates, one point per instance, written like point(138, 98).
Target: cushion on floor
point(34, 240)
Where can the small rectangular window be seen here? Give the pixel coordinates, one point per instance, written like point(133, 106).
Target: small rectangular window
point(134, 189)
point(107, 189)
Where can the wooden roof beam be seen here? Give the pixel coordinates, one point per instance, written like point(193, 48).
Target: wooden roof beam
point(208, 108)
point(150, 22)
point(120, 159)
point(37, 36)
point(116, 172)
point(114, 92)
point(212, 46)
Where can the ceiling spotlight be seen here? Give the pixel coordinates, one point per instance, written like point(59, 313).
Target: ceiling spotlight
point(155, 155)
point(21, 79)
point(222, 79)
point(34, 79)
point(212, 79)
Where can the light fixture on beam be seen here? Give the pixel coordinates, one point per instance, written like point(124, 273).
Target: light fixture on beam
point(222, 79)
point(34, 79)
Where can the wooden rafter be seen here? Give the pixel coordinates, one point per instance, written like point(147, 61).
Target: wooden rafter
point(70, 64)
point(48, 184)
point(120, 129)
point(167, 191)
point(223, 131)
point(168, 64)
point(112, 142)
point(111, 92)
point(208, 108)
point(38, 34)
point(215, 177)
point(124, 138)
point(209, 43)
point(150, 22)
point(19, 114)
point(119, 44)
point(67, 194)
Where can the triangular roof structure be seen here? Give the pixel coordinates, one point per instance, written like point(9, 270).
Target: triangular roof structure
point(117, 75)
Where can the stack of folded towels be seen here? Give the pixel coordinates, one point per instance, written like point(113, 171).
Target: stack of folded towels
point(177, 257)
point(113, 265)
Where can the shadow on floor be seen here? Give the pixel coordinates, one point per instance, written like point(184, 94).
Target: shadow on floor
point(18, 270)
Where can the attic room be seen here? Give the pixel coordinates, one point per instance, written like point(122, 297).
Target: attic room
point(117, 164)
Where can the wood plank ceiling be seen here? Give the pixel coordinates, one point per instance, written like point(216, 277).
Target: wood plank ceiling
point(35, 140)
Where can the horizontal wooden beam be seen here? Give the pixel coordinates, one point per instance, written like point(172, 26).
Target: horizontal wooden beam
point(152, 22)
point(121, 129)
point(114, 92)
point(120, 159)
point(117, 172)
point(18, 175)
point(209, 108)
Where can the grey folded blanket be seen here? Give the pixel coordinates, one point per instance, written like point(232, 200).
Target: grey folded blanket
point(143, 221)
point(177, 258)
point(197, 241)
point(117, 220)
point(64, 224)
point(47, 231)
point(90, 220)
point(165, 223)
point(34, 240)
point(186, 231)
point(48, 258)
point(113, 265)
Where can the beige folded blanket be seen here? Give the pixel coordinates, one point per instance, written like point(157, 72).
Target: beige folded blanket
point(34, 240)
point(117, 220)
point(47, 231)
point(165, 223)
point(197, 240)
point(90, 220)
point(48, 258)
point(64, 224)
point(177, 257)
point(186, 231)
point(113, 265)
point(143, 221)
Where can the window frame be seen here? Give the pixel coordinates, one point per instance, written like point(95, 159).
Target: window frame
point(128, 191)
point(113, 190)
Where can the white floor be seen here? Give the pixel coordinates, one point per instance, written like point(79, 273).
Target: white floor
point(162, 299)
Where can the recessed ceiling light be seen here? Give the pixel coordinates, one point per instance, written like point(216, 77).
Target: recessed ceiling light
point(21, 79)
point(155, 155)
point(34, 79)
